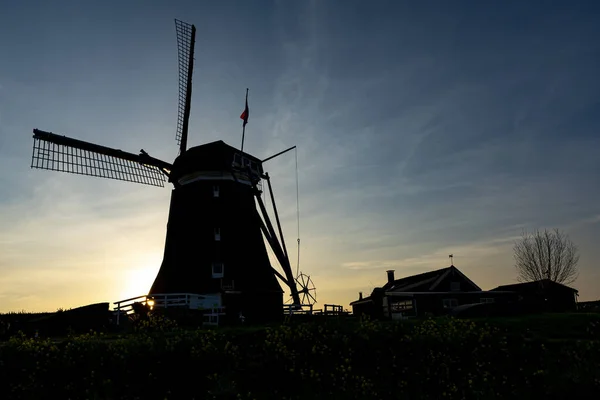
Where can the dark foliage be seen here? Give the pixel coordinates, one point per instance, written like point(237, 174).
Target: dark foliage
point(444, 358)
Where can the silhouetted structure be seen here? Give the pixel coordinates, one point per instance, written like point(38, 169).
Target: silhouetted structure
point(544, 295)
point(589, 306)
point(96, 317)
point(430, 293)
point(448, 290)
point(214, 245)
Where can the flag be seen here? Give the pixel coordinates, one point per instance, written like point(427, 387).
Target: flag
point(246, 112)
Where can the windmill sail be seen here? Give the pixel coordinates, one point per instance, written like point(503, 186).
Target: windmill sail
point(60, 153)
point(186, 36)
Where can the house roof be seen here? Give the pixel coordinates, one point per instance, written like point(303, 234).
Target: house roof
point(426, 281)
point(364, 300)
point(414, 280)
point(526, 286)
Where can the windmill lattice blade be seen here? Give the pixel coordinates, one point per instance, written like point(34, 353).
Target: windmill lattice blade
point(60, 157)
point(185, 52)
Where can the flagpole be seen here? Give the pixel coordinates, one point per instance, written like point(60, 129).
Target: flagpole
point(244, 125)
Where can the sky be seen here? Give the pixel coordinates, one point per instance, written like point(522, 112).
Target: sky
point(423, 129)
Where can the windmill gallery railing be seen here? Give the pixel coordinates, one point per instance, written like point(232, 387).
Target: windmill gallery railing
point(172, 300)
point(290, 309)
point(307, 309)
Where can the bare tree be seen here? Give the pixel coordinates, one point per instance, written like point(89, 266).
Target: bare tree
point(546, 255)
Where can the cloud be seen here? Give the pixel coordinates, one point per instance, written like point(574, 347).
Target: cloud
point(437, 258)
point(68, 237)
point(594, 220)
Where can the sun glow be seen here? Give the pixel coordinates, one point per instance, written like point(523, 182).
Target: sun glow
point(138, 279)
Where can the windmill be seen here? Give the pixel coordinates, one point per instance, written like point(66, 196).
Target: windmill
point(214, 246)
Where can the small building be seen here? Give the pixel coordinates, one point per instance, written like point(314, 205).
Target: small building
point(430, 293)
point(543, 296)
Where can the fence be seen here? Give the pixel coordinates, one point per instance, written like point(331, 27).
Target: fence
point(168, 300)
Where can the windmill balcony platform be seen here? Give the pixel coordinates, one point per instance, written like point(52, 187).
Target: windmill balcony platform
point(190, 301)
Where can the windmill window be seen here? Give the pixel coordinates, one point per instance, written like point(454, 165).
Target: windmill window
point(450, 303)
point(216, 191)
point(217, 234)
point(237, 159)
point(454, 286)
point(217, 270)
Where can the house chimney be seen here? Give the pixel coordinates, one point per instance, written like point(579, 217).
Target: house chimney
point(390, 274)
point(360, 295)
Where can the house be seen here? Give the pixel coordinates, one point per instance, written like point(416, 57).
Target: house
point(543, 295)
point(429, 293)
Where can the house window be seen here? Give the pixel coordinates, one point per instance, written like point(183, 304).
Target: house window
point(216, 191)
point(450, 303)
point(402, 306)
point(487, 300)
point(454, 286)
point(217, 270)
point(217, 234)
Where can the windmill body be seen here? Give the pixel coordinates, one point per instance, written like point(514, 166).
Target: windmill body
point(215, 242)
